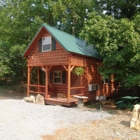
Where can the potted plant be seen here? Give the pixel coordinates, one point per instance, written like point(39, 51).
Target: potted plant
point(79, 71)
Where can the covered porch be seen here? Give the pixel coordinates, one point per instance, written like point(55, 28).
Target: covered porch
point(59, 93)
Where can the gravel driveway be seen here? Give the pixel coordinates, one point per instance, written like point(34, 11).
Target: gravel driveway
point(27, 121)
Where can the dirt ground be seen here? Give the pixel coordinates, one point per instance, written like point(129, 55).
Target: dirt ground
point(11, 94)
point(116, 127)
point(113, 128)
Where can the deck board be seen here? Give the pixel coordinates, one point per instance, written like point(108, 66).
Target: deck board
point(61, 101)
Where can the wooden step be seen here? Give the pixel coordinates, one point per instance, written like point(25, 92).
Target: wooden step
point(60, 102)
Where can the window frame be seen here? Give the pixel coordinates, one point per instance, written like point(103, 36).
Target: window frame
point(57, 77)
point(50, 43)
point(104, 80)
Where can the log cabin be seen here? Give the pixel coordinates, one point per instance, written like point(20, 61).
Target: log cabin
point(52, 57)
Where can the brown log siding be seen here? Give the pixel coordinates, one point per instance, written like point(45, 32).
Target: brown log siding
point(55, 57)
point(60, 57)
point(92, 76)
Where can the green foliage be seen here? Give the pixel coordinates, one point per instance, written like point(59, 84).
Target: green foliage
point(17, 62)
point(12, 64)
point(20, 20)
point(133, 80)
point(118, 8)
point(5, 70)
point(118, 41)
point(79, 71)
point(71, 14)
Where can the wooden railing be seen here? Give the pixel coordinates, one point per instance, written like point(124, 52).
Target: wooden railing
point(77, 87)
point(39, 89)
point(74, 88)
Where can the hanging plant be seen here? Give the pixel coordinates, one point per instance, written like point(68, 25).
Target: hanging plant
point(79, 71)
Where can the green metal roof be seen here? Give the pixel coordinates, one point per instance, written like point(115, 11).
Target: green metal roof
point(69, 42)
point(72, 43)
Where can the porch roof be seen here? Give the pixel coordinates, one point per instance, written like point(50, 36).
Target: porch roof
point(69, 42)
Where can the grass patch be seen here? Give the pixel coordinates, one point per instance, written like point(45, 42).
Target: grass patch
point(110, 111)
point(2, 87)
point(93, 105)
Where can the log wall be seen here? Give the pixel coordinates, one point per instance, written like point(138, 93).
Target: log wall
point(62, 88)
point(92, 76)
point(59, 57)
point(55, 57)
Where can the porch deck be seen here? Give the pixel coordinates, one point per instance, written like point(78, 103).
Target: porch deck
point(54, 98)
point(61, 101)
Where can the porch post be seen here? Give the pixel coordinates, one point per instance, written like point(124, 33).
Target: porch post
point(69, 81)
point(28, 81)
point(38, 79)
point(46, 83)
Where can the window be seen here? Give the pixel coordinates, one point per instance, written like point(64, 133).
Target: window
point(57, 77)
point(105, 81)
point(46, 43)
point(63, 77)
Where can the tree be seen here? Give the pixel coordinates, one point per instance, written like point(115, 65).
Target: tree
point(5, 70)
point(71, 14)
point(17, 63)
point(11, 63)
point(20, 19)
point(19, 22)
point(118, 41)
point(118, 8)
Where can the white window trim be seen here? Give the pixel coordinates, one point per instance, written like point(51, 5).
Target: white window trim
point(47, 43)
point(104, 80)
point(56, 77)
